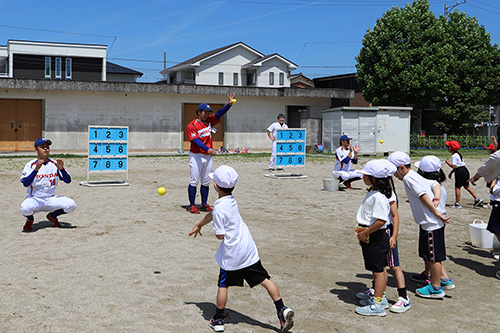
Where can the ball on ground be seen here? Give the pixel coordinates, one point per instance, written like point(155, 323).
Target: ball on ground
point(162, 190)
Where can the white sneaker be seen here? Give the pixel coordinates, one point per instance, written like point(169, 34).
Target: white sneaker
point(401, 306)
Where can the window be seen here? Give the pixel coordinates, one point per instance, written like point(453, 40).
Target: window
point(58, 68)
point(235, 79)
point(221, 78)
point(48, 67)
point(282, 79)
point(69, 69)
point(271, 78)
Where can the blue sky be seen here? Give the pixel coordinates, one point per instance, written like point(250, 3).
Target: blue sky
point(322, 37)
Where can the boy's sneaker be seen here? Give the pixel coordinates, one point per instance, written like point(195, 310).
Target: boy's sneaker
point(217, 324)
point(401, 306)
point(206, 208)
point(429, 292)
point(420, 278)
point(194, 210)
point(456, 205)
point(477, 202)
point(54, 220)
point(286, 319)
point(447, 285)
point(366, 294)
point(371, 300)
point(498, 275)
point(496, 256)
point(28, 225)
point(371, 310)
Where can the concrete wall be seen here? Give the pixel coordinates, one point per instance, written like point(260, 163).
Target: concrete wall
point(154, 112)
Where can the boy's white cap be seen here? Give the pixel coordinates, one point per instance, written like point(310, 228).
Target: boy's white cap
point(224, 176)
point(429, 163)
point(379, 169)
point(399, 158)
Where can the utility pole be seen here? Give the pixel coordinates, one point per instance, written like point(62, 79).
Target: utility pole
point(448, 10)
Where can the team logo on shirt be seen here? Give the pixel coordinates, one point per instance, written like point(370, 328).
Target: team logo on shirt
point(193, 135)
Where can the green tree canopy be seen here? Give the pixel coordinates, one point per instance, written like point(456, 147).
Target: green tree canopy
point(411, 57)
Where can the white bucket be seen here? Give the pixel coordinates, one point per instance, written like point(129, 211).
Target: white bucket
point(330, 184)
point(480, 237)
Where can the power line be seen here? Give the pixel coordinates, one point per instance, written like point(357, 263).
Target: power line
point(351, 3)
point(56, 31)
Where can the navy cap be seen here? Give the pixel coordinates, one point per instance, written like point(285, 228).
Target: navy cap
point(204, 107)
point(41, 140)
point(345, 137)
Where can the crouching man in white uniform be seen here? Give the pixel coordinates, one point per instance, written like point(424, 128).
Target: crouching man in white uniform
point(345, 156)
point(40, 177)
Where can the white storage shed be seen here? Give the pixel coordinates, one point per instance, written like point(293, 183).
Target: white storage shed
point(377, 129)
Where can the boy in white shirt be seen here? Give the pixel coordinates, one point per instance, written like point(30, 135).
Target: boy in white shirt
point(431, 238)
point(494, 221)
point(237, 255)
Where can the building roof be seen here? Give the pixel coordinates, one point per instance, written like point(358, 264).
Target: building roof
point(261, 60)
point(209, 54)
point(336, 77)
point(112, 68)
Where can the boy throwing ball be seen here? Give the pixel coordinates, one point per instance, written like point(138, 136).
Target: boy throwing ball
point(237, 256)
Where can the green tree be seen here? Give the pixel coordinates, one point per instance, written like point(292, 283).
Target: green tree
point(411, 57)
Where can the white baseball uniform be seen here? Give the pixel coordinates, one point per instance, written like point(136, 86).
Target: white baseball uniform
point(341, 169)
point(273, 129)
point(41, 192)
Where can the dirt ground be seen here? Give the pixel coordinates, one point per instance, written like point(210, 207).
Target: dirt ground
point(123, 261)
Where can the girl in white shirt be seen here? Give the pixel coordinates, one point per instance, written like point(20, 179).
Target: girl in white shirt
point(461, 173)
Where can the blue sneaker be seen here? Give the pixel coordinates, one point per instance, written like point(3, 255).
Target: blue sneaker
point(429, 292)
point(447, 285)
point(371, 310)
point(366, 294)
point(371, 300)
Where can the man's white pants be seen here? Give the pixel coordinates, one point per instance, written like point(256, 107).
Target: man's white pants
point(32, 205)
point(200, 165)
point(346, 175)
point(273, 155)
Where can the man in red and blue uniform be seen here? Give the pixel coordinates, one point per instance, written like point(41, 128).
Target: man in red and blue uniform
point(199, 132)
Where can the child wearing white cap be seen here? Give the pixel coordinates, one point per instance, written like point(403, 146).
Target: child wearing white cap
point(237, 256)
point(373, 219)
point(431, 220)
point(429, 167)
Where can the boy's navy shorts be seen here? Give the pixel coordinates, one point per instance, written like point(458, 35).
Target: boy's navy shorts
point(431, 245)
point(253, 275)
point(375, 252)
point(392, 255)
point(494, 222)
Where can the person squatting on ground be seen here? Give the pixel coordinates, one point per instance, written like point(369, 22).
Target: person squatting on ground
point(429, 167)
point(40, 176)
point(461, 173)
point(431, 237)
point(199, 132)
point(373, 218)
point(237, 256)
point(403, 303)
point(345, 156)
point(272, 132)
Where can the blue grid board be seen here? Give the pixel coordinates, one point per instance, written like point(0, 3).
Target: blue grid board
point(108, 134)
point(291, 135)
point(290, 159)
point(107, 149)
point(107, 164)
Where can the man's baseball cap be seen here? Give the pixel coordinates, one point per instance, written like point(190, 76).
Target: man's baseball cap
point(224, 176)
point(453, 144)
point(379, 169)
point(429, 163)
point(399, 158)
point(204, 107)
point(41, 140)
point(345, 137)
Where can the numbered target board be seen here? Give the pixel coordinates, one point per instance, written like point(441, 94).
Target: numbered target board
point(291, 147)
point(108, 150)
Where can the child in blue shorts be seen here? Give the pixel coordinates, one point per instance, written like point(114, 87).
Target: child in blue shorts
point(237, 256)
point(373, 220)
point(431, 237)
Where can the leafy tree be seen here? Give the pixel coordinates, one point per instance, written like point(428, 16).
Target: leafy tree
point(413, 58)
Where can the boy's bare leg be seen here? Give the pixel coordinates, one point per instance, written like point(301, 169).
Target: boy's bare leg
point(471, 191)
point(436, 268)
point(272, 289)
point(398, 275)
point(380, 283)
point(222, 297)
point(457, 194)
